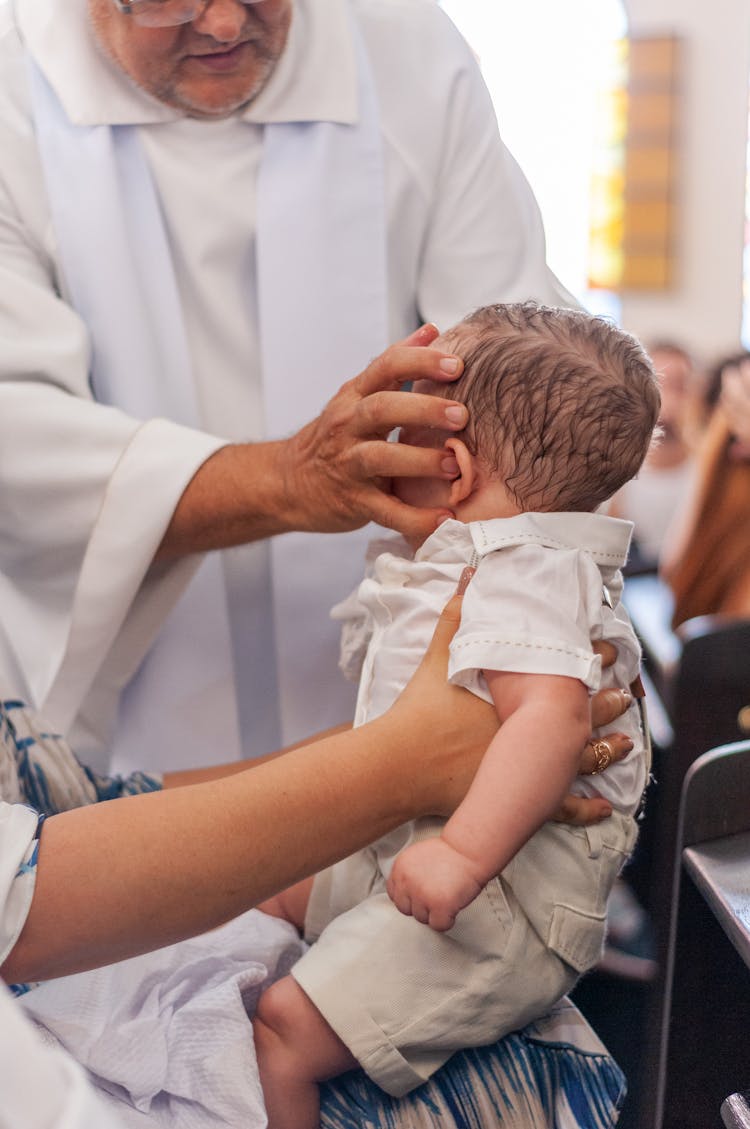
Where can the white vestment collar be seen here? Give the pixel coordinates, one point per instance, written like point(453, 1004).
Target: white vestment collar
point(321, 248)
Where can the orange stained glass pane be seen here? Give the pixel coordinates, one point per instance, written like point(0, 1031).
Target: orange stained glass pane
point(646, 272)
point(651, 114)
point(649, 166)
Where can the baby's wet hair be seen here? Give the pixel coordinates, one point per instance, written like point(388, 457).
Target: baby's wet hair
point(562, 404)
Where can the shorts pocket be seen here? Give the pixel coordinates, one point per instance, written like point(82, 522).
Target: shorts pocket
point(576, 937)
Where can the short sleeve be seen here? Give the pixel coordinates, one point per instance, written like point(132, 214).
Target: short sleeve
point(529, 609)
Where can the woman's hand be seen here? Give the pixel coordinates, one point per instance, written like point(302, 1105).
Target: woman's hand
point(606, 707)
point(451, 729)
point(735, 401)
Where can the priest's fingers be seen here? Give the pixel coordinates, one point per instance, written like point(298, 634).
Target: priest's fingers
point(404, 362)
point(411, 522)
point(375, 459)
point(380, 412)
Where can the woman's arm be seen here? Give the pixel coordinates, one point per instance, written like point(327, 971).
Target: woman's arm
point(130, 875)
point(182, 777)
point(735, 402)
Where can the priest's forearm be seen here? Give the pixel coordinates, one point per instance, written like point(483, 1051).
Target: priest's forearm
point(235, 497)
point(333, 474)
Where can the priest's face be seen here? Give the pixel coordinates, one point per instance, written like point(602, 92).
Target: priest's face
point(208, 68)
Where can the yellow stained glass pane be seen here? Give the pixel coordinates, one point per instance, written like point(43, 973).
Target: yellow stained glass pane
point(633, 188)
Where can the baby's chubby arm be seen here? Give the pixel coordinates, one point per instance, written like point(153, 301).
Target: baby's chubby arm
point(525, 773)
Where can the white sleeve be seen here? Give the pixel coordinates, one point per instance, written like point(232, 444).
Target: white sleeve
point(528, 609)
point(18, 843)
point(486, 240)
point(465, 227)
point(87, 491)
point(42, 1087)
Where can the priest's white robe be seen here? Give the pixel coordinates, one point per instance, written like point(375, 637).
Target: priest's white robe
point(88, 488)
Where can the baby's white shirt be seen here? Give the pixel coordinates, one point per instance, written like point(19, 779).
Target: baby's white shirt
point(540, 596)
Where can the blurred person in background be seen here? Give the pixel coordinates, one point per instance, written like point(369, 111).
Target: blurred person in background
point(707, 560)
point(652, 499)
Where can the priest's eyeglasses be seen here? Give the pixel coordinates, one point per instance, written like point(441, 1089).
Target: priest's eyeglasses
point(165, 13)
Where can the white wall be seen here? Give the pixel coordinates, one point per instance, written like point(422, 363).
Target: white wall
point(704, 308)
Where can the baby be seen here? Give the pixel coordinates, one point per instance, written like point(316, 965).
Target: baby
point(446, 935)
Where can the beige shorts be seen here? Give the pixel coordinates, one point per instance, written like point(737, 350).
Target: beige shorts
point(404, 998)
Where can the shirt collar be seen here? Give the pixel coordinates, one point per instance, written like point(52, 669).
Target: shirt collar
point(607, 539)
point(93, 91)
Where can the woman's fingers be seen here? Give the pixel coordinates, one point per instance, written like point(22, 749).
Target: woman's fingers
point(437, 653)
point(600, 753)
point(608, 705)
point(735, 398)
point(581, 811)
point(607, 650)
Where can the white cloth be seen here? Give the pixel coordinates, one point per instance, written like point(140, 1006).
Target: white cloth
point(534, 605)
point(168, 1033)
point(18, 827)
point(42, 1087)
point(77, 534)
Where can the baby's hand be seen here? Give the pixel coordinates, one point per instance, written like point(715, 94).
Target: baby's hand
point(432, 882)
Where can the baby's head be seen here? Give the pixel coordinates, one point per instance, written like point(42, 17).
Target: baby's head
point(562, 405)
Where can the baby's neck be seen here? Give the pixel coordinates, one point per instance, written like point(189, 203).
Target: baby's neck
point(490, 501)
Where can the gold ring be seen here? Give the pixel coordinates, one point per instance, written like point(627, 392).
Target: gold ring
point(603, 752)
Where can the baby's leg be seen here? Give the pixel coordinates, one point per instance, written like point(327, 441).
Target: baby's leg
point(291, 904)
point(296, 1050)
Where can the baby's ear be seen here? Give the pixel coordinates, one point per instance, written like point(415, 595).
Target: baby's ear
point(466, 483)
